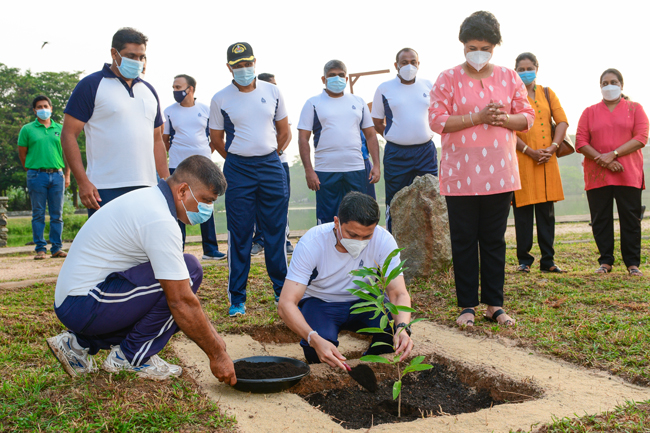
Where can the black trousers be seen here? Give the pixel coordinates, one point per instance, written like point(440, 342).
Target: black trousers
point(479, 223)
point(601, 206)
point(545, 219)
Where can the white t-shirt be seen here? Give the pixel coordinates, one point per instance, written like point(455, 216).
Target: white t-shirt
point(248, 118)
point(135, 228)
point(119, 125)
point(326, 272)
point(336, 124)
point(188, 132)
point(405, 107)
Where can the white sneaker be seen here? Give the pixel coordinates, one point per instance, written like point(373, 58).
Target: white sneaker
point(155, 368)
point(74, 359)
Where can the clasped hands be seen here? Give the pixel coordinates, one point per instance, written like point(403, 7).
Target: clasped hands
point(492, 114)
point(608, 161)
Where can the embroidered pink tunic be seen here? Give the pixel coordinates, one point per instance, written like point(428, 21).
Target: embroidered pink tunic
point(605, 132)
point(478, 160)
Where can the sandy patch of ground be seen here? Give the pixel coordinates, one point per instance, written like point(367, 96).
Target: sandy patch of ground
point(567, 389)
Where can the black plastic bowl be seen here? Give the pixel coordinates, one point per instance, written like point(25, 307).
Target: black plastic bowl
point(267, 386)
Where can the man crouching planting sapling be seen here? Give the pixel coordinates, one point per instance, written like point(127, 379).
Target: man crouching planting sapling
point(373, 287)
point(316, 301)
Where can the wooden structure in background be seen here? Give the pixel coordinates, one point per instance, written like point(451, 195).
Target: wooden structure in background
point(354, 77)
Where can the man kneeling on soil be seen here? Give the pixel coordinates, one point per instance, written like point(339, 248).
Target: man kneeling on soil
point(315, 302)
point(127, 287)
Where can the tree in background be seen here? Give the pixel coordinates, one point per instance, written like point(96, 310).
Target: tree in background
point(16, 94)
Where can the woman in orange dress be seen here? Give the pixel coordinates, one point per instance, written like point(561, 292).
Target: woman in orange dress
point(541, 185)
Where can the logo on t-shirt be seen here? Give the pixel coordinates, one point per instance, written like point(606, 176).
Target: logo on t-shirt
point(56, 134)
point(361, 264)
point(354, 108)
point(199, 114)
point(424, 94)
point(263, 101)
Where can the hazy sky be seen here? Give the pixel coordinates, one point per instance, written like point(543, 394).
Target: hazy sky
point(574, 41)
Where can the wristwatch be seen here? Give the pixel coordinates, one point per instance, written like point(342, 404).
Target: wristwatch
point(280, 152)
point(406, 327)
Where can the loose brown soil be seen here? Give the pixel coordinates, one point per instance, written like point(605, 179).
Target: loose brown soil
point(267, 370)
point(424, 394)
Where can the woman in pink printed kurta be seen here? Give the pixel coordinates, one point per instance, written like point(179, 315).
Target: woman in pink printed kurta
point(475, 107)
point(610, 135)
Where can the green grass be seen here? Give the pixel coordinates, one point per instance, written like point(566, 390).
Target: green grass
point(36, 395)
point(630, 417)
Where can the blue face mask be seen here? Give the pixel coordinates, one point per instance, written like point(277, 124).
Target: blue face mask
point(527, 77)
point(43, 114)
point(244, 76)
point(130, 69)
point(336, 84)
point(204, 213)
point(179, 95)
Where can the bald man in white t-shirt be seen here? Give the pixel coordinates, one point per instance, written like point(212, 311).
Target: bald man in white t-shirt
point(315, 302)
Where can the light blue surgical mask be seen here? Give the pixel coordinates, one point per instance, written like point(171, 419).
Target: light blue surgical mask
point(336, 84)
point(129, 68)
point(244, 76)
point(527, 76)
point(204, 213)
point(43, 114)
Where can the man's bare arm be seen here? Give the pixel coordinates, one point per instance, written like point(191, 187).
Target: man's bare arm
point(88, 194)
point(217, 141)
point(160, 153)
point(22, 154)
point(188, 315)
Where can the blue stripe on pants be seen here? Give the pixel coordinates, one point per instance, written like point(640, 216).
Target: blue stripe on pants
point(256, 186)
point(333, 187)
point(128, 308)
point(402, 164)
point(208, 233)
point(330, 318)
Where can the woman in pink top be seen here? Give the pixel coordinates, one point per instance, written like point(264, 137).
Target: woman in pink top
point(475, 107)
point(610, 136)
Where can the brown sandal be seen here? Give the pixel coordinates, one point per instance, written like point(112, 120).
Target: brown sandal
point(59, 255)
point(40, 255)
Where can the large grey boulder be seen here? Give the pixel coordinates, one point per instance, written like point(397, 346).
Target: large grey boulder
point(420, 225)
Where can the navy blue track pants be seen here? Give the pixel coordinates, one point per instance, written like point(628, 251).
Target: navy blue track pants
point(333, 187)
point(128, 308)
point(257, 190)
point(402, 164)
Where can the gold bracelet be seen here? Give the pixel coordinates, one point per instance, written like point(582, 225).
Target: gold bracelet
point(463, 117)
point(507, 121)
point(524, 149)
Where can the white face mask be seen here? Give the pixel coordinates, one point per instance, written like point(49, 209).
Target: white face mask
point(354, 247)
point(408, 72)
point(478, 59)
point(611, 92)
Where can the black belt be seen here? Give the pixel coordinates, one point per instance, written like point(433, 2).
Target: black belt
point(48, 170)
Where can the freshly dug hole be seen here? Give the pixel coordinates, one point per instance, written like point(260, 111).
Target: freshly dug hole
point(427, 393)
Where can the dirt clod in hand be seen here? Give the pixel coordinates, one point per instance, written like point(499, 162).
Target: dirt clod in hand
point(266, 370)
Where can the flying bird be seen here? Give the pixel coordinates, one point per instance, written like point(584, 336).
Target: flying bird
point(44, 43)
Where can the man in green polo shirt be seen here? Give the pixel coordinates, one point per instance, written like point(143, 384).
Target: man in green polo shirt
point(39, 148)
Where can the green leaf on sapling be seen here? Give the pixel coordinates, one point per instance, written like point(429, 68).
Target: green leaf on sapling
point(417, 360)
point(392, 308)
point(389, 258)
point(372, 331)
point(381, 343)
point(417, 320)
point(375, 358)
point(418, 367)
point(363, 310)
point(383, 322)
point(405, 309)
point(397, 388)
